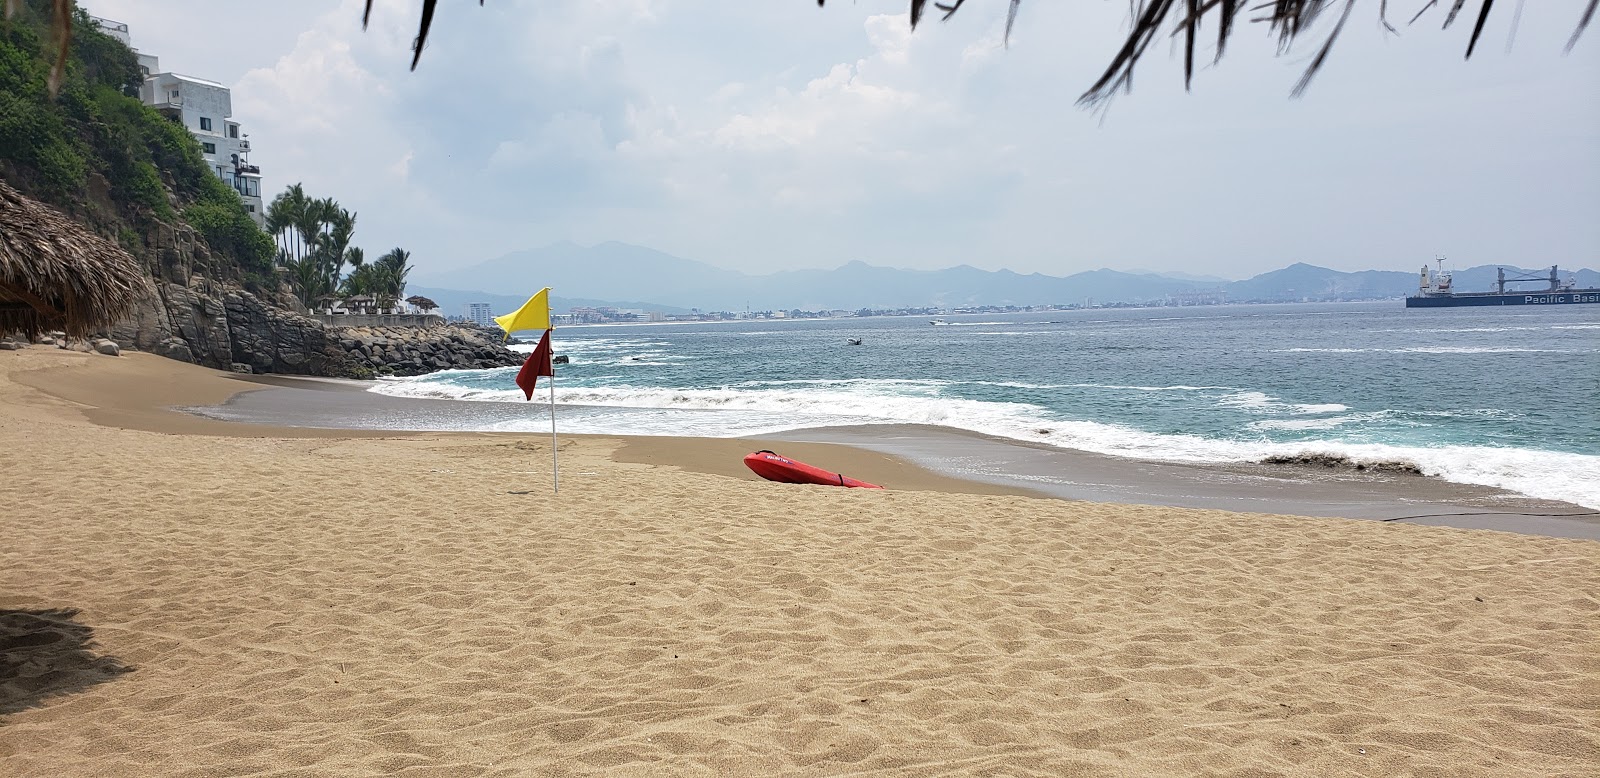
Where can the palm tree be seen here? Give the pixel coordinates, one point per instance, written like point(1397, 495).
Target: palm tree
point(307, 279)
point(393, 269)
point(313, 237)
point(1287, 19)
point(332, 243)
point(383, 278)
point(311, 222)
point(363, 280)
point(284, 216)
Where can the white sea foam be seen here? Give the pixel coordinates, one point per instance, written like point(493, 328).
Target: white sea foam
point(1261, 402)
point(1118, 387)
point(1443, 330)
point(1437, 350)
point(777, 406)
point(437, 388)
point(1550, 475)
point(1484, 350)
point(935, 384)
point(1302, 424)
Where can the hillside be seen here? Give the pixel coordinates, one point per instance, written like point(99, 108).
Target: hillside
point(453, 301)
point(653, 280)
point(1303, 281)
point(619, 271)
point(104, 159)
point(98, 154)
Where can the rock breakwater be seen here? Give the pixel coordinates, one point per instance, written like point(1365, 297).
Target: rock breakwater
point(405, 351)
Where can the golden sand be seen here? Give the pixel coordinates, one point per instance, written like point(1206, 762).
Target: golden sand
point(303, 603)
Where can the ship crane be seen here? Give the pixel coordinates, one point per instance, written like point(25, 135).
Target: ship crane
point(1434, 290)
point(1553, 279)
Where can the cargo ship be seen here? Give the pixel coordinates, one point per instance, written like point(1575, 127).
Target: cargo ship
point(1435, 291)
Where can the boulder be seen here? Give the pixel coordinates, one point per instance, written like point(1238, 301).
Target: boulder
point(241, 367)
point(173, 348)
point(107, 347)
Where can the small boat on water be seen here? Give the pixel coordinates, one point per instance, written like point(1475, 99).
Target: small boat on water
point(772, 467)
point(938, 322)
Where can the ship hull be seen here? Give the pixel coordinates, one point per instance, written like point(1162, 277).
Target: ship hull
point(1574, 297)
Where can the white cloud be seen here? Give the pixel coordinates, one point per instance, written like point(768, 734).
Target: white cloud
point(571, 135)
point(775, 132)
point(401, 169)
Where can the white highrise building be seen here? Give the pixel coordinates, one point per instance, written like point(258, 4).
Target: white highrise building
point(481, 314)
point(205, 109)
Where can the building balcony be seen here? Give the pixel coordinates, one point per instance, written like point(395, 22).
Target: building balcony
point(244, 145)
point(247, 170)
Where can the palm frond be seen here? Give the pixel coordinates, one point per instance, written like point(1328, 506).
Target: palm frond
point(1287, 19)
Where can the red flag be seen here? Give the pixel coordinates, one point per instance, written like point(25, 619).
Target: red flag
point(538, 364)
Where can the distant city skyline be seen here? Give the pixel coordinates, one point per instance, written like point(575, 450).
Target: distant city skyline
point(760, 137)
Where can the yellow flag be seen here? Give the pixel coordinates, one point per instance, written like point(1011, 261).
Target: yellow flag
point(533, 315)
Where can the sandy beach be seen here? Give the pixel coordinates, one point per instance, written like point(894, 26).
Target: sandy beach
point(186, 596)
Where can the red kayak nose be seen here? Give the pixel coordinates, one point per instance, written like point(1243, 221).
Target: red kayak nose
point(782, 469)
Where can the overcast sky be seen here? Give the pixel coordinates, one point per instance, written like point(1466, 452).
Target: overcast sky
point(768, 135)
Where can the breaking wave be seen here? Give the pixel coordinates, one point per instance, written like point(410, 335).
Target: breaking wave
point(756, 407)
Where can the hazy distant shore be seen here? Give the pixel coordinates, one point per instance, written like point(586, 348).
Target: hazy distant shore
point(1013, 466)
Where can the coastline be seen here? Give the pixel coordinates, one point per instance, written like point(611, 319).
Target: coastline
point(152, 394)
point(924, 458)
point(189, 595)
point(1292, 489)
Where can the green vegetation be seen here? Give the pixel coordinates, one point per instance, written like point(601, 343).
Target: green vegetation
point(313, 240)
point(96, 152)
point(384, 279)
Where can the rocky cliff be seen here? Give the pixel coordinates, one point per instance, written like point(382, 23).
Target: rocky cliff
point(190, 313)
point(92, 150)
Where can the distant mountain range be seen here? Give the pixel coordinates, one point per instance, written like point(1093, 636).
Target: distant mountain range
point(453, 302)
point(634, 277)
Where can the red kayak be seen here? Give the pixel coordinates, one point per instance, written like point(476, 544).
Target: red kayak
point(787, 471)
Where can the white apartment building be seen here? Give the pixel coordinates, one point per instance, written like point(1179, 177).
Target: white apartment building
point(116, 30)
point(481, 314)
point(205, 109)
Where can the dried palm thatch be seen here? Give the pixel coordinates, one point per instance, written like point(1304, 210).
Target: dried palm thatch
point(54, 274)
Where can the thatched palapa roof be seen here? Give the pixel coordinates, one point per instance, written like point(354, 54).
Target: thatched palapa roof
point(55, 274)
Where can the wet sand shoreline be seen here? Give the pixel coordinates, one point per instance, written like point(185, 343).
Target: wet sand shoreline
point(1007, 466)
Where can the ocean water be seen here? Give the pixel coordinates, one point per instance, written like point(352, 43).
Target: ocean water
point(1499, 397)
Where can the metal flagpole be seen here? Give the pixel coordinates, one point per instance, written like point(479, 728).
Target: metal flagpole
point(555, 467)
